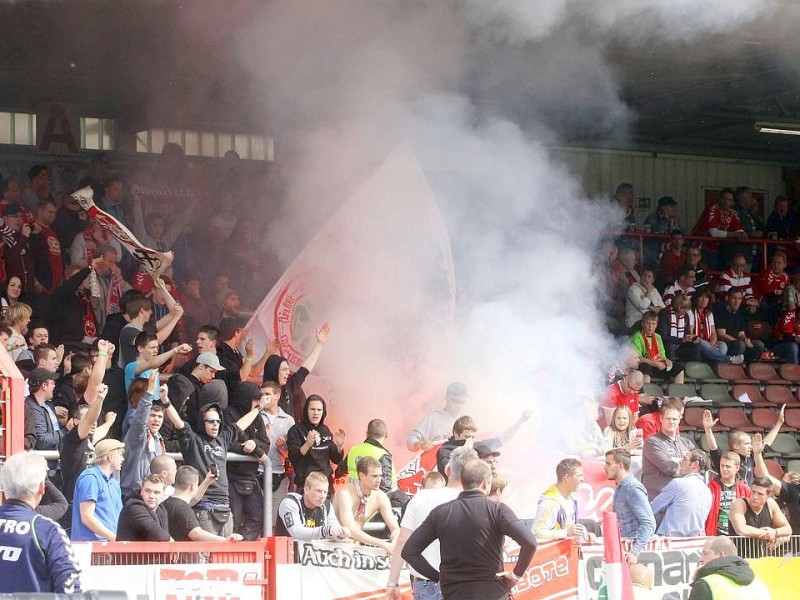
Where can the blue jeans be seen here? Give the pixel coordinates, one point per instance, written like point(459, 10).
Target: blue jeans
point(787, 351)
point(712, 354)
point(426, 590)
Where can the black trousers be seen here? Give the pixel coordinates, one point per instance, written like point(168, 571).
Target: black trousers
point(247, 505)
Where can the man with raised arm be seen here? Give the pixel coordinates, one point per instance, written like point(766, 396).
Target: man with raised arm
point(438, 425)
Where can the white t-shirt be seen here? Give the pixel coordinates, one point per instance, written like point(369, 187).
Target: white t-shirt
point(418, 509)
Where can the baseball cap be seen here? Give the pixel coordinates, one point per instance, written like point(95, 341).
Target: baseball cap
point(456, 389)
point(667, 201)
point(12, 210)
point(40, 375)
point(209, 359)
point(105, 447)
point(484, 451)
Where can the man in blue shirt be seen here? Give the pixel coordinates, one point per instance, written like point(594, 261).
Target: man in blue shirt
point(97, 501)
point(686, 500)
point(634, 514)
point(37, 556)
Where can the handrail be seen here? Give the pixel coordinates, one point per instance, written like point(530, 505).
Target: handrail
point(232, 457)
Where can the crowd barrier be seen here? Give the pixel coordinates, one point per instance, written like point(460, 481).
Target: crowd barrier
point(285, 569)
point(765, 246)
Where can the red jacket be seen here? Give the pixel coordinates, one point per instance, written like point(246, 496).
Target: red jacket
point(742, 491)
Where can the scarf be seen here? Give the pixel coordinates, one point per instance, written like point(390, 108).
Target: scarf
point(89, 323)
point(651, 345)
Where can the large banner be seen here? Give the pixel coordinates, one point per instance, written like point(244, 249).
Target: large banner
point(673, 562)
point(346, 571)
point(381, 271)
point(782, 575)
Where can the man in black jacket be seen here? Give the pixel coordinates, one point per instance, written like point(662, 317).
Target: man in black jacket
point(244, 489)
point(143, 519)
point(470, 530)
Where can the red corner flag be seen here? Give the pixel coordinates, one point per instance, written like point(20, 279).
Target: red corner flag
point(617, 576)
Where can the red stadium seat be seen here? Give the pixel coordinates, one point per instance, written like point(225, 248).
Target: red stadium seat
point(751, 391)
point(736, 419)
point(780, 394)
point(734, 374)
point(765, 418)
point(792, 417)
point(790, 372)
point(765, 374)
point(692, 419)
point(774, 467)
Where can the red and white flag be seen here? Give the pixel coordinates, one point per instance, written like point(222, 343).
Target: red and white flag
point(617, 576)
point(153, 261)
point(381, 272)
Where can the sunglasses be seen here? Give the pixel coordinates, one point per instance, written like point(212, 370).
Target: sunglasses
point(212, 421)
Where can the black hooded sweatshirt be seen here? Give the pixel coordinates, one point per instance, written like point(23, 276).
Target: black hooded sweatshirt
point(321, 455)
point(293, 398)
point(733, 567)
point(201, 451)
point(257, 431)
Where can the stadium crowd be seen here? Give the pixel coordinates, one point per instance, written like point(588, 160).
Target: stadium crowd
point(120, 370)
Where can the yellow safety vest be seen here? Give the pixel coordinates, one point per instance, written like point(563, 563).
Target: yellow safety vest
point(366, 449)
point(723, 588)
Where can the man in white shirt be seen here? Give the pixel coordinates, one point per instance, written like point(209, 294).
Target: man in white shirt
point(278, 424)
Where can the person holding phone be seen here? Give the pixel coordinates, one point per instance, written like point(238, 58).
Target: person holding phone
point(206, 449)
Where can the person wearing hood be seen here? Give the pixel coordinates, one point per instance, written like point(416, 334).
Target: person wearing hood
point(722, 574)
point(245, 493)
point(312, 445)
point(277, 369)
point(206, 449)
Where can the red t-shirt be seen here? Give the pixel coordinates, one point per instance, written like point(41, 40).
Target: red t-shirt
point(616, 397)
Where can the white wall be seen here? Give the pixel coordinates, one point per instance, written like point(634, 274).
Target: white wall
point(683, 177)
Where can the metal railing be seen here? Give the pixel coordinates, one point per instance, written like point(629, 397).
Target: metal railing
point(232, 457)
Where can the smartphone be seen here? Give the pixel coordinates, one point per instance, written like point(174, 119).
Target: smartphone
point(214, 470)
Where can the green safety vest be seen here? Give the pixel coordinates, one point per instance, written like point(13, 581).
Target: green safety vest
point(367, 449)
point(723, 588)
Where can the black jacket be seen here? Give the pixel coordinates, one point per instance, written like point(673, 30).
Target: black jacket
point(257, 431)
point(734, 568)
point(321, 455)
point(293, 398)
point(138, 524)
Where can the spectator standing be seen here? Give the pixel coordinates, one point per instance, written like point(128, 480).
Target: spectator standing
point(685, 502)
point(206, 449)
point(357, 503)
point(739, 442)
point(475, 522)
point(278, 424)
point(725, 488)
point(719, 221)
point(438, 425)
point(759, 518)
point(244, 488)
point(277, 369)
point(417, 510)
point(17, 254)
point(373, 446)
point(142, 518)
point(182, 520)
point(636, 519)
point(671, 259)
point(663, 452)
point(97, 501)
point(786, 490)
point(312, 445)
point(143, 441)
point(557, 511)
point(310, 515)
point(48, 259)
point(46, 562)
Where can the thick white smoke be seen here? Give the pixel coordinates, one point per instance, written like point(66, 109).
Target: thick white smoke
point(479, 90)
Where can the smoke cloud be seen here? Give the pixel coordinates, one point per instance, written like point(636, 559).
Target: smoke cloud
point(479, 91)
